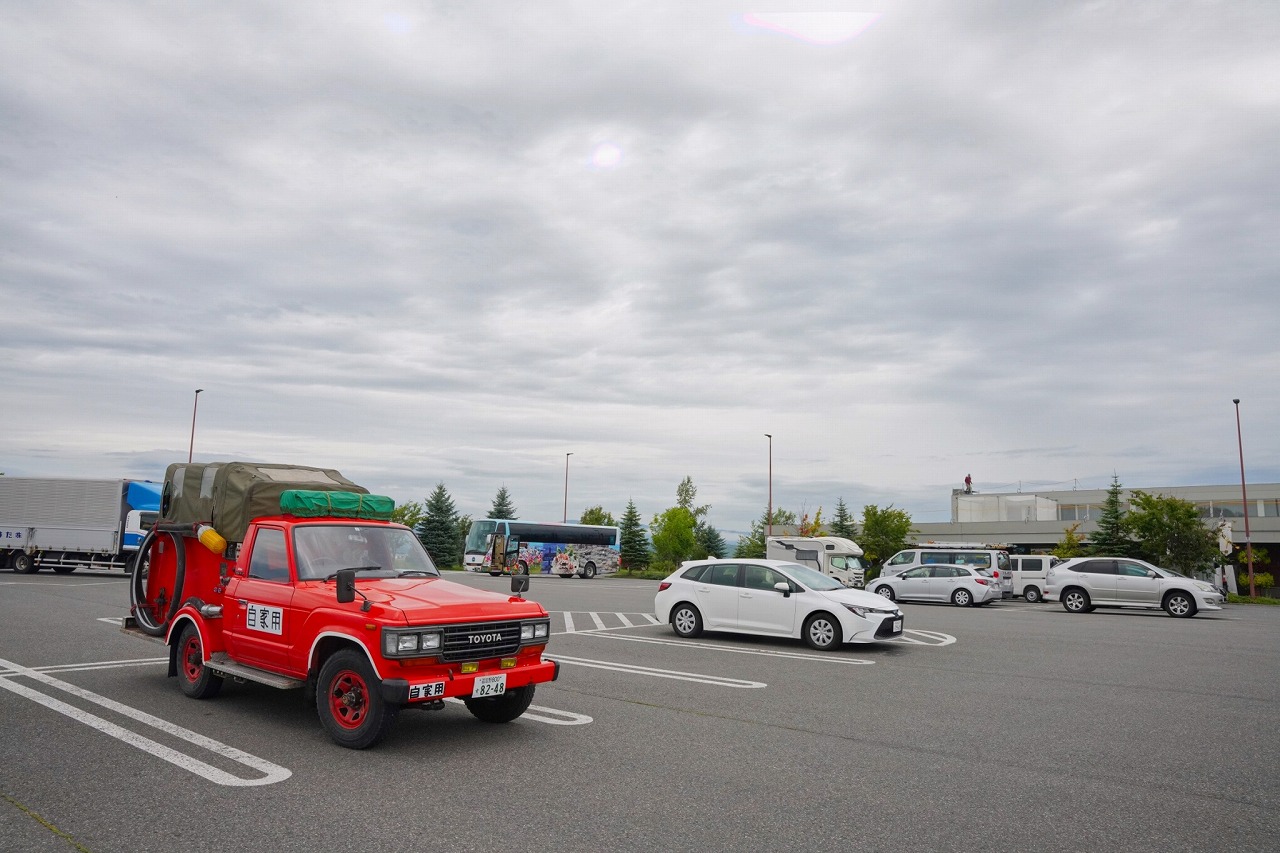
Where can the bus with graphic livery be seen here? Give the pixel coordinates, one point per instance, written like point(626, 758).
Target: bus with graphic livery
point(584, 550)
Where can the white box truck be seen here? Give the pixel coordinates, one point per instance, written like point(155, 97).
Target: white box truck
point(67, 523)
point(832, 555)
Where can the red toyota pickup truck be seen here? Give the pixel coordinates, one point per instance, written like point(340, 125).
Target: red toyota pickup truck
point(327, 595)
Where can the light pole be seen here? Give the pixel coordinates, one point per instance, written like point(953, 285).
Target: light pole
point(566, 486)
point(769, 511)
point(194, 405)
point(1244, 505)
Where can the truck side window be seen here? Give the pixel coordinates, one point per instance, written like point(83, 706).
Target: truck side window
point(270, 560)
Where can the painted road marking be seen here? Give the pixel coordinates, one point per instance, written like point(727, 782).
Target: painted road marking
point(542, 714)
point(272, 773)
point(598, 619)
point(632, 669)
point(822, 657)
point(552, 716)
point(925, 638)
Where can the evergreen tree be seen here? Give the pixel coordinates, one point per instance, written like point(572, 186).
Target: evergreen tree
point(502, 506)
point(596, 515)
point(710, 542)
point(634, 542)
point(1111, 539)
point(752, 545)
point(842, 523)
point(438, 529)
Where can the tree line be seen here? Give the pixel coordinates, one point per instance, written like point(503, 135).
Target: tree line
point(680, 532)
point(1166, 531)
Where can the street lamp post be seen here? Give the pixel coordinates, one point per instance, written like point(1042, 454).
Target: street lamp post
point(1244, 505)
point(566, 486)
point(769, 510)
point(194, 405)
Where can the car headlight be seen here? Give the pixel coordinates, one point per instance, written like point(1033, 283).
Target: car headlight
point(867, 612)
point(1206, 587)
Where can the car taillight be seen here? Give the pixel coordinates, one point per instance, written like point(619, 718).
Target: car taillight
point(982, 581)
point(663, 585)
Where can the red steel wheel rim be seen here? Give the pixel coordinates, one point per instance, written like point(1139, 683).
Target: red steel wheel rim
point(192, 663)
point(348, 699)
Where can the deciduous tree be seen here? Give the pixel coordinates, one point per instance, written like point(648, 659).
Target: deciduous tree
point(673, 537)
point(1170, 532)
point(1071, 544)
point(596, 515)
point(884, 532)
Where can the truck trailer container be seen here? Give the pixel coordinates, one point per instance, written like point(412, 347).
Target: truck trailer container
point(68, 523)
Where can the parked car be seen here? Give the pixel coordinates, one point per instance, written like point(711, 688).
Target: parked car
point(961, 585)
point(1085, 583)
point(994, 561)
point(774, 598)
point(1028, 574)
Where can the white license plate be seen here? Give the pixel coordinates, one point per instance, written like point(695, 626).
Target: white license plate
point(897, 625)
point(489, 685)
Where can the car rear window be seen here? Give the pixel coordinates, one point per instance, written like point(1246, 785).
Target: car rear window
point(694, 573)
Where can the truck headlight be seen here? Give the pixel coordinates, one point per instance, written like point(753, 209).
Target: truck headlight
point(401, 643)
point(534, 631)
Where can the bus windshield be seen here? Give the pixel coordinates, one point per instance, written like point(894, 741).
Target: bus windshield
point(561, 549)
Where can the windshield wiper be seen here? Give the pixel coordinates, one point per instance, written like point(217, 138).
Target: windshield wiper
point(354, 568)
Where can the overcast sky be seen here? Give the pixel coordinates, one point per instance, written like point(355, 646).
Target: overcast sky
point(427, 242)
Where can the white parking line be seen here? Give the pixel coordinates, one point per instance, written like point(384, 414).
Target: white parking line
point(929, 638)
point(632, 669)
point(553, 716)
point(823, 658)
point(272, 773)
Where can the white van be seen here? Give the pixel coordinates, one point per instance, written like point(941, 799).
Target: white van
point(1028, 574)
point(994, 561)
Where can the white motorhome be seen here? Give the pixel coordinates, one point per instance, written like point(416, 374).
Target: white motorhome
point(832, 555)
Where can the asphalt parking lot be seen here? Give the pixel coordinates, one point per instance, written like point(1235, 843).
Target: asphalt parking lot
point(1009, 727)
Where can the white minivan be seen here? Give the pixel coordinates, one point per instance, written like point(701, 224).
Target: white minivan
point(1028, 572)
point(991, 560)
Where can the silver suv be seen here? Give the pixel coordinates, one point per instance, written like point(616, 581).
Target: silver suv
point(1085, 583)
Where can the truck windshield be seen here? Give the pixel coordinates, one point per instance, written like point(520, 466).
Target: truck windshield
point(322, 549)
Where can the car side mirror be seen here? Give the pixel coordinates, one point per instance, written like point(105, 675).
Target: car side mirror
point(1152, 574)
point(784, 588)
point(519, 584)
point(346, 581)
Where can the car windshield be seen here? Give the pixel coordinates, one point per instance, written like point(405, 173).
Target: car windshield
point(323, 549)
point(809, 578)
point(1169, 573)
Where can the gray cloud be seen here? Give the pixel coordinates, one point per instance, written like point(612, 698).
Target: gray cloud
point(451, 243)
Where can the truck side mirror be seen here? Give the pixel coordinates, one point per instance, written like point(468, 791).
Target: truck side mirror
point(519, 584)
point(346, 579)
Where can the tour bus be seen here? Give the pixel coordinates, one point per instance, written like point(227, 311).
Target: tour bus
point(585, 550)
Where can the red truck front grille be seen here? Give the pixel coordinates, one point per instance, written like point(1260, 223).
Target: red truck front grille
point(483, 640)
